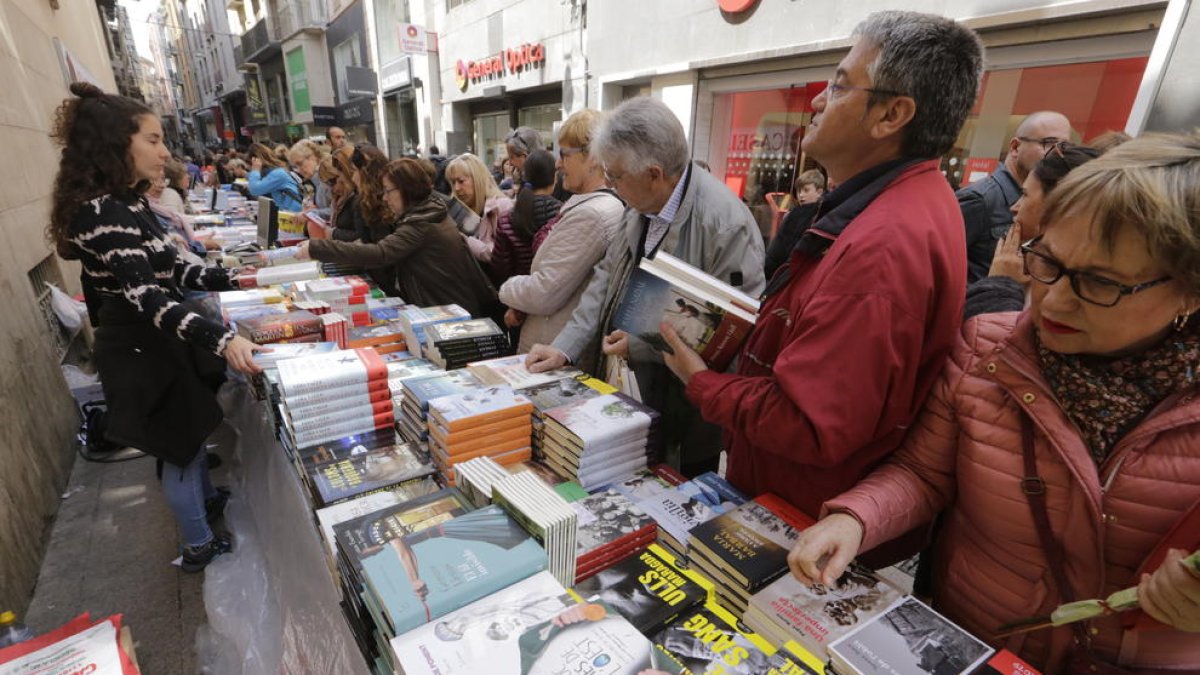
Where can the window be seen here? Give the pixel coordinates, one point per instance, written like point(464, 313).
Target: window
point(388, 14)
point(542, 118)
point(346, 54)
point(451, 4)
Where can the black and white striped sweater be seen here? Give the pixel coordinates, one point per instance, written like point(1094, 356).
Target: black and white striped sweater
point(126, 253)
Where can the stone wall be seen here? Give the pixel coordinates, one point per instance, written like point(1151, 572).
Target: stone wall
point(37, 415)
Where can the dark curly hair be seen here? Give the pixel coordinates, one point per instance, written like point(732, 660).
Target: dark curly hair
point(371, 164)
point(95, 130)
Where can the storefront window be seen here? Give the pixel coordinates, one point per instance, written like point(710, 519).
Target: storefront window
point(490, 132)
point(542, 118)
point(755, 147)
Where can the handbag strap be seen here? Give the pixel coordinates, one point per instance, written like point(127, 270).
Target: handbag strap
point(1035, 494)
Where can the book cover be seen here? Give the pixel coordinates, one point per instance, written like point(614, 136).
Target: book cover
point(368, 533)
point(478, 407)
point(591, 638)
point(341, 448)
point(649, 589)
point(908, 638)
point(423, 389)
point(1006, 663)
point(511, 370)
point(596, 421)
point(425, 575)
point(683, 507)
point(283, 352)
point(483, 637)
point(462, 330)
point(330, 517)
point(792, 659)
point(360, 474)
point(451, 439)
point(326, 371)
point(712, 326)
point(547, 395)
point(750, 542)
point(815, 614)
point(271, 327)
point(708, 640)
point(604, 519)
point(369, 336)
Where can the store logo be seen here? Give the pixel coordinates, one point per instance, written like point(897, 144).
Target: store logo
point(513, 60)
point(412, 31)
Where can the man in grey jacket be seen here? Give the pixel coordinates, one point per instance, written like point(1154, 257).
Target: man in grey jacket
point(986, 203)
point(671, 207)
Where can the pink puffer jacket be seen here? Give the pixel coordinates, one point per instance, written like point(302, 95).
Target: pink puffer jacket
point(964, 457)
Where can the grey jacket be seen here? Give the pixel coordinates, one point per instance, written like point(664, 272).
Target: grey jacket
point(985, 207)
point(712, 230)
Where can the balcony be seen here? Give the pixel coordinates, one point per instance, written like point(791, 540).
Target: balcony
point(301, 15)
point(260, 42)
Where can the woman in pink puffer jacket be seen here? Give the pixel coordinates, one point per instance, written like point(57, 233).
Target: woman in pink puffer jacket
point(1100, 372)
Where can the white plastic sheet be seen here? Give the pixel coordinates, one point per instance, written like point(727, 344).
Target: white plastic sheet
point(273, 606)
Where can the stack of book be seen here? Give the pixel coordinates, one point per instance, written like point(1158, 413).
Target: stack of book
point(333, 395)
point(746, 548)
point(511, 370)
point(815, 615)
point(385, 338)
point(365, 472)
point(475, 478)
point(419, 391)
point(685, 506)
point(256, 296)
point(372, 534)
point(907, 637)
point(317, 307)
point(598, 440)
point(533, 627)
point(329, 517)
point(545, 515)
point(82, 645)
point(416, 320)
point(569, 386)
point(611, 528)
point(485, 422)
point(294, 326)
point(345, 295)
point(455, 344)
point(425, 575)
point(335, 328)
point(285, 352)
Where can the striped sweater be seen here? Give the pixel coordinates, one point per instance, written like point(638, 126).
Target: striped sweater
point(125, 253)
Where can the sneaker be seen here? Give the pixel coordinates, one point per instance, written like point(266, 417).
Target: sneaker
point(196, 558)
point(214, 508)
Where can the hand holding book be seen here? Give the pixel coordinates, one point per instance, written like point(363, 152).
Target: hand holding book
point(680, 358)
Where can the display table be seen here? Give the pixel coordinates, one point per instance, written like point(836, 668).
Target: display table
point(273, 604)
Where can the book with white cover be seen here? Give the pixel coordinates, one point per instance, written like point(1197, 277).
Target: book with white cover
point(598, 420)
point(335, 369)
point(908, 638)
point(511, 370)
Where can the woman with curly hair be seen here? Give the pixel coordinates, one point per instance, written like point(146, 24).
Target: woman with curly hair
point(270, 177)
point(370, 165)
point(159, 363)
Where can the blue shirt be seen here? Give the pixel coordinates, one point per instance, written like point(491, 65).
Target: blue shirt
point(277, 184)
point(661, 222)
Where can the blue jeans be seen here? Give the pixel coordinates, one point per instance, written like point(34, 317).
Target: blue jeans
point(186, 488)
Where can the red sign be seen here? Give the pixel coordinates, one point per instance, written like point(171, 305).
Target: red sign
point(978, 168)
point(514, 61)
point(735, 6)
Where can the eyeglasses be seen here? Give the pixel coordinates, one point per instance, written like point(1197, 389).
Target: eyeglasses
point(1048, 143)
point(1089, 287)
point(835, 89)
point(611, 177)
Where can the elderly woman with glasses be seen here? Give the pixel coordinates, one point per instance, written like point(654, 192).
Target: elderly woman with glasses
point(1062, 444)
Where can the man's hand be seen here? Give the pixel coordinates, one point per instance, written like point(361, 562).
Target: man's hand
point(239, 353)
point(544, 357)
point(616, 343)
point(685, 362)
point(823, 551)
point(1172, 593)
point(513, 318)
point(302, 251)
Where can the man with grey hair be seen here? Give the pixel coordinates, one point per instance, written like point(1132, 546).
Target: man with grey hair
point(857, 324)
point(673, 207)
point(986, 204)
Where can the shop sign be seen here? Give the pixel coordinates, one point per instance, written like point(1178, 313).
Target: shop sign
point(979, 168)
point(513, 61)
point(324, 116)
point(357, 112)
point(294, 130)
point(298, 81)
point(396, 74)
point(735, 6)
point(361, 81)
point(413, 39)
point(257, 110)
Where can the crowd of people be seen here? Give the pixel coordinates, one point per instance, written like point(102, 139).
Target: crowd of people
point(1003, 378)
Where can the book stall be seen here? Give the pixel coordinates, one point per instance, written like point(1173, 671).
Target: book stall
point(421, 503)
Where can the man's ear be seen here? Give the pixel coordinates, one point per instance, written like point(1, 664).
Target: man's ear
point(897, 113)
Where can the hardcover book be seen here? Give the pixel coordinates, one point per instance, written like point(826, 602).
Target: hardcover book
point(710, 316)
point(425, 575)
point(750, 543)
point(376, 470)
point(607, 518)
point(478, 407)
point(707, 639)
point(367, 534)
point(909, 638)
point(283, 352)
point(598, 421)
point(326, 371)
point(331, 516)
point(270, 328)
point(649, 589)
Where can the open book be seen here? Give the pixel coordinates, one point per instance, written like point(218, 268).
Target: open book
point(711, 316)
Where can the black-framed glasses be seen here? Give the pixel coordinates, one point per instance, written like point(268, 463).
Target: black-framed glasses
point(1090, 287)
point(1048, 143)
point(835, 88)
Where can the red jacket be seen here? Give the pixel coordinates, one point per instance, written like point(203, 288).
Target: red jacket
point(844, 355)
point(964, 459)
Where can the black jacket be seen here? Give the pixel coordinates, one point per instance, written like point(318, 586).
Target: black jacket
point(990, 295)
point(985, 207)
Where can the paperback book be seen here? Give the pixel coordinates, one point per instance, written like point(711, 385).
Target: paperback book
point(375, 470)
point(708, 640)
point(908, 637)
point(650, 589)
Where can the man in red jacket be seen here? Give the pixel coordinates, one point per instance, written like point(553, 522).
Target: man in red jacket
point(856, 326)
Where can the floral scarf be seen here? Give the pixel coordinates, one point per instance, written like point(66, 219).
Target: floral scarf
point(1107, 397)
